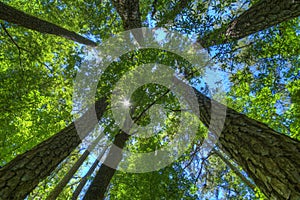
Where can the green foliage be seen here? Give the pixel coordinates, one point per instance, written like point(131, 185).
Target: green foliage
point(167, 183)
point(293, 112)
point(219, 180)
point(265, 85)
point(36, 88)
point(36, 85)
point(92, 18)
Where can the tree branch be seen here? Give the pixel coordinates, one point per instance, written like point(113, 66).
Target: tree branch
point(235, 170)
point(261, 15)
point(20, 18)
point(12, 39)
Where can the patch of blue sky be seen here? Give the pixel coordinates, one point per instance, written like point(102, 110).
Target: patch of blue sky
point(214, 75)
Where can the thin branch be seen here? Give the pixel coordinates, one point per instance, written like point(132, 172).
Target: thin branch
point(15, 43)
point(154, 10)
point(235, 170)
point(21, 48)
point(60, 186)
point(87, 175)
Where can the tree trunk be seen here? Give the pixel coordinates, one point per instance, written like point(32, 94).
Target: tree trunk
point(271, 159)
point(15, 16)
point(20, 176)
point(103, 177)
point(129, 12)
point(253, 145)
point(262, 15)
point(131, 17)
point(60, 186)
point(99, 185)
point(87, 175)
point(235, 170)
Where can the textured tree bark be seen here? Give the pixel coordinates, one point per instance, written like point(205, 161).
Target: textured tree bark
point(131, 17)
point(271, 159)
point(87, 175)
point(242, 138)
point(262, 15)
point(15, 16)
point(98, 187)
point(235, 170)
point(64, 181)
point(20, 176)
point(129, 12)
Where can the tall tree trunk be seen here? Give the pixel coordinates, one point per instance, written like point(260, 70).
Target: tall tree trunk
point(15, 16)
point(20, 176)
point(104, 175)
point(271, 159)
point(129, 11)
point(131, 17)
point(99, 185)
point(241, 138)
point(262, 15)
point(62, 183)
point(87, 175)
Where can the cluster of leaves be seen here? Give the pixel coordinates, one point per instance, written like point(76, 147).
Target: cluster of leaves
point(94, 19)
point(37, 73)
point(167, 183)
point(36, 86)
point(37, 70)
point(265, 86)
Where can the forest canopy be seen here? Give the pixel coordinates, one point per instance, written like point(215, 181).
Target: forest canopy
point(154, 99)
